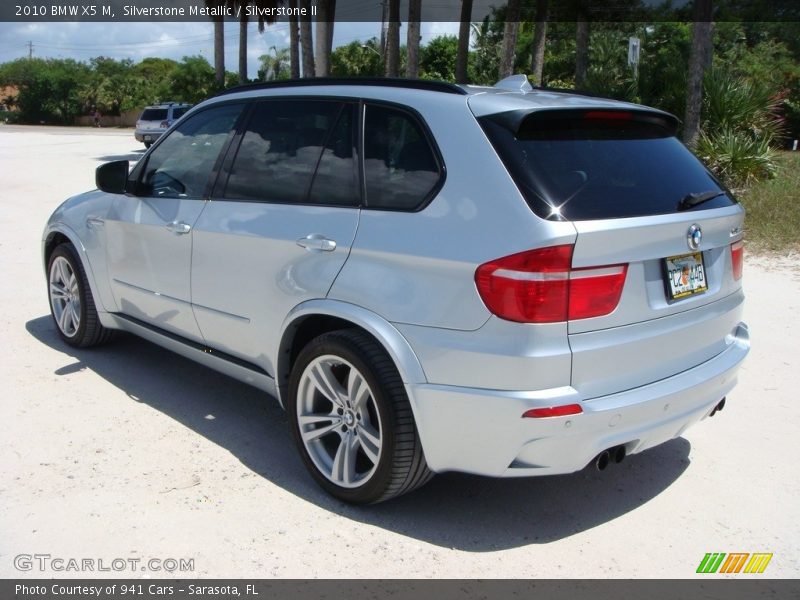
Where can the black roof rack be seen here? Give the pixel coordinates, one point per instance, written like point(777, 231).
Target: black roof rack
point(415, 84)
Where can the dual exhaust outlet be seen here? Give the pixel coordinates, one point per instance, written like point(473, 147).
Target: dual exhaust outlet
point(616, 454)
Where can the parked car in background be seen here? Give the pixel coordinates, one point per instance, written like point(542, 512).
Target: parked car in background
point(156, 119)
point(428, 277)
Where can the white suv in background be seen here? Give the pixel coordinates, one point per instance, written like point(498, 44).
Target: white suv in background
point(156, 119)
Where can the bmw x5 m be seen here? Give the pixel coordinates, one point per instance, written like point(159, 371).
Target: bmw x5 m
point(428, 277)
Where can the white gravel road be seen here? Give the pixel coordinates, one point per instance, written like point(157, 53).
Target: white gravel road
point(132, 452)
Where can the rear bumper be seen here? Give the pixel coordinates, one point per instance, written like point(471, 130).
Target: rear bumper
point(482, 431)
point(148, 135)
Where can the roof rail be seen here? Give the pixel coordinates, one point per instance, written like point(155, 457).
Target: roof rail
point(416, 84)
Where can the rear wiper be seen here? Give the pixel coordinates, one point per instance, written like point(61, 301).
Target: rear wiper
point(691, 200)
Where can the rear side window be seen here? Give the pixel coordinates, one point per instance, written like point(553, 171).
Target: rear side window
point(600, 165)
point(177, 113)
point(400, 167)
point(154, 114)
point(285, 143)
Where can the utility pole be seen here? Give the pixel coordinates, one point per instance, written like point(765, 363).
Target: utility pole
point(30, 50)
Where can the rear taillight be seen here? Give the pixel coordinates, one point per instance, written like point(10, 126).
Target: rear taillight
point(540, 286)
point(737, 259)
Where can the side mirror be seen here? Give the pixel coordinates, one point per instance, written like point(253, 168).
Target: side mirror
point(112, 177)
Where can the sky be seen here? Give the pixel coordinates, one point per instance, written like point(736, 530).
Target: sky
point(82, 41)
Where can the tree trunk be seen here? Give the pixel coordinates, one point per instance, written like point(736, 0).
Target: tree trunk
point(326, 10)
point(393, 40)
point(462, 57)
point(306, 42)
point(699, 61)
point(412, 40)
point(294, 44)
point(539, 38)
point(243, 23)
point(510, 31)
point(581, 50)
point(219, 52)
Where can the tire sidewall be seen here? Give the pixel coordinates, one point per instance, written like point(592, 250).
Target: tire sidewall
point(339, 346)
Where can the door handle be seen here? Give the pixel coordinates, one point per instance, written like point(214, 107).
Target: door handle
point(179, 227)
point(317, 242)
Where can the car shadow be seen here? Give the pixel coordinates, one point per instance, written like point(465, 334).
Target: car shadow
point(133, 156)
point(464, 512)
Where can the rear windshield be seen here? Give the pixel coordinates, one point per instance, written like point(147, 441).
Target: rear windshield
point(583, 168)
point(177, 113)
point(154, 114)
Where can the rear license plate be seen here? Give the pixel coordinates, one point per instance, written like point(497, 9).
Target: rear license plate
point(148, 138)
point(685, 276)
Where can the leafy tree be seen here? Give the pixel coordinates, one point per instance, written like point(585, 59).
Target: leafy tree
point(192, 80)
point(439, 58)
point(357, 60)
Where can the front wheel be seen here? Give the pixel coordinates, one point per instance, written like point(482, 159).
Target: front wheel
point(351, 419)
point(71, 302)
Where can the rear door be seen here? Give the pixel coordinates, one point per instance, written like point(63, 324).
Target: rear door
point(639, 200)
point(280, 225)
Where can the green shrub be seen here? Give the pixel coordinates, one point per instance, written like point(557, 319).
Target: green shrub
point(737, 157)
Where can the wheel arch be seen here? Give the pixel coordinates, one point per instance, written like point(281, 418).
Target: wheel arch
point(57, 234)
point(315, 317)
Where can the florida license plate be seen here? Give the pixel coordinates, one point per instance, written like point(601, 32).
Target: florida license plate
point(685, 276)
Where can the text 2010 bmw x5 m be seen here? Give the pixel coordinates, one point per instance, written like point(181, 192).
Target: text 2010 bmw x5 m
point(429, 277)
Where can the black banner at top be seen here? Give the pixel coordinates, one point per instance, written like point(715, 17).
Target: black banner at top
point(373, 10)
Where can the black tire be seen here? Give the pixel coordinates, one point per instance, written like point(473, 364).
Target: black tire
point(89, 331)
point(401, 465)
point(148, 144)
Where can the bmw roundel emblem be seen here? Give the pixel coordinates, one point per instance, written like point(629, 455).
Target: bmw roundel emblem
point(694, 236)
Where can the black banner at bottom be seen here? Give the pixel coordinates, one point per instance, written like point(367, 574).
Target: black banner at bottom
point(396, 589)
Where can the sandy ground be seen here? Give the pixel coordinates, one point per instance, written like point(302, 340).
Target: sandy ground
point(130, 451)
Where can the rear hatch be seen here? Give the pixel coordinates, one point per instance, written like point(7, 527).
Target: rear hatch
point(152, 118)
point(641, 204)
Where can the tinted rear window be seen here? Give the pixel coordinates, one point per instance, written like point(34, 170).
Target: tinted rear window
point(577, 168)
point(177, 113)
point(154, 114)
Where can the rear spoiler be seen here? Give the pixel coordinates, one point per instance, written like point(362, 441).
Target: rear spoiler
point(514, 120)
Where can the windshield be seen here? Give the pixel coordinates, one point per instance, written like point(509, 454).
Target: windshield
point(600, 166)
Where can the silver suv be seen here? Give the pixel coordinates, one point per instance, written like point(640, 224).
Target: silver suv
point(428, 277)
point(155, 120)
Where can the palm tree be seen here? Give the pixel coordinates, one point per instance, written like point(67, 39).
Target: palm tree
point(464, 30)
point(294, 43)
point(539, 38)
point(509, 49)
point(412, 40)
point(306, 41)
point(324, 40)
point(699, 60)
point(274, 65)
point(241, 7)
point(581, 47)
point(393, 39)
point(219, 42)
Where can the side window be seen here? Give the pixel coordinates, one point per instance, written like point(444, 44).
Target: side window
point(284, 144)
point(181, 165)
point(400, 167)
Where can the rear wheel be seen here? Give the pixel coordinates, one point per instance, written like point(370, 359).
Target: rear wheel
point(71, 302)
point(351, 419)
point(148, 144)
